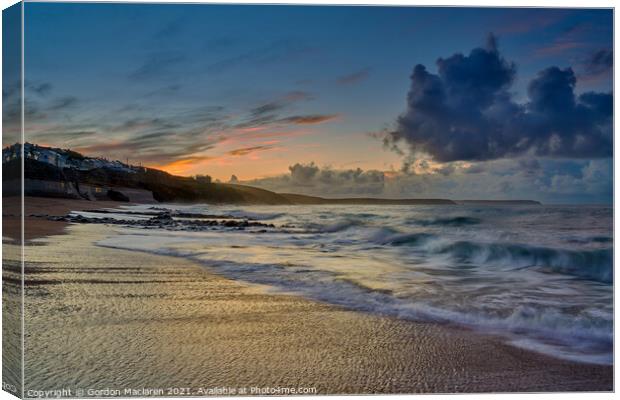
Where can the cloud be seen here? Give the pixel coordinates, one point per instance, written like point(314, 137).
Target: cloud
point(157, 64)
point(63, 103)
point(35, 94)
point(598, 63)
point(70, 135)
point(164, 148)
point(280, 103)
point(569, 38)
point(279, 51)
point(519, 21)
point(165, 91)
point(530, 166)
point(353, 78)
point(142, 124)
point(166, 136)
point(169, 30)
point(593, 179)
point(309, 119)
point(549, 181)
point(297, 95)
point(267, 109)
point(42, 89)
point(248, 150)
point(466, 112)
point(174, 134)
point(13, 89)
point(269, 113)
point(312, 179)
point(557, 47)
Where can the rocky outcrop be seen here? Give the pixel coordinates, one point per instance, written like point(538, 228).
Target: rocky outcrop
point(160, 220)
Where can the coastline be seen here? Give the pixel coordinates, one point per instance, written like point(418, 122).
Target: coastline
point(105, 318)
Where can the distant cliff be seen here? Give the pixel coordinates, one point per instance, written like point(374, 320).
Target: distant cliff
point(500, 202)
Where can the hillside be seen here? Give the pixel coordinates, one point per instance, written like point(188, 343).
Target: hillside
point(255, 195)
point(53, 172)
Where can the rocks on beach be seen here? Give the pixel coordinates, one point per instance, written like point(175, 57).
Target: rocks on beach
point(164, 219)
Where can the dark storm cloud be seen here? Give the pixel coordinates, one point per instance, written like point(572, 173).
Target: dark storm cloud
point(466, 112)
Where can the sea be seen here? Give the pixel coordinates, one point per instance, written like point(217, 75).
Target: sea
point(538, 276)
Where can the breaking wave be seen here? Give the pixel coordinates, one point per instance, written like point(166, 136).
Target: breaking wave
point(590, 264)
point(454, 221)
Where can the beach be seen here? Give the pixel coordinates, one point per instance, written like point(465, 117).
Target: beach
point(107, 319)
point(36, 227)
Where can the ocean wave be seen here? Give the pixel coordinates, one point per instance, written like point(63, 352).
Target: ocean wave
point(544, 329)
point(334, 227)
point(341, 225)
point(392, 237)
point(590, 264)
point(602, 239)
point(595, 264)
point(453, 221)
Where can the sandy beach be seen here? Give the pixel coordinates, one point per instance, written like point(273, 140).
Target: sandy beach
point(100, 318)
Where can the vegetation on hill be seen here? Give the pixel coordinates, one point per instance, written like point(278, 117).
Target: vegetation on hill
point(165, 187)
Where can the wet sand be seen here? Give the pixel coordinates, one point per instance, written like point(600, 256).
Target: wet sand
point(101, 318)
point(37, 227)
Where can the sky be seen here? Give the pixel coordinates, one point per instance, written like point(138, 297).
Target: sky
point(337, 101)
